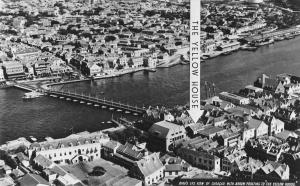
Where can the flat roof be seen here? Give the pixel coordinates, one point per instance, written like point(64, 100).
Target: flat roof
point(210, 130)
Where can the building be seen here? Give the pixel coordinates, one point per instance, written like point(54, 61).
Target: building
point(94, 69)
point(149, 169)
point(231, 46)
point(230, 162)
point(174, 166)
point(273, 171)
point(251, 27)
point(201, 159)
point(233, 98)
point(166, 134)
point(260, 127)
point(33, 180)
point(211, 131)
point(22, 159)
point(72, 149)
point(7, 181)
point(125, 155)
point(276, 126)
point(2, 77)
point(230, 139)
point(41, 68)
point(26, 53)
point(13, 70)
point(248, 133)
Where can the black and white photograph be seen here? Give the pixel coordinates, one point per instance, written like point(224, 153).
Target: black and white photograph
point(149, 92)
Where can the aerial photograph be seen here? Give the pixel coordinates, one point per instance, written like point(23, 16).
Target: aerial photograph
point(149, 92)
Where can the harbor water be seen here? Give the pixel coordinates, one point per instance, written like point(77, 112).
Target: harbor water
point(53, 117)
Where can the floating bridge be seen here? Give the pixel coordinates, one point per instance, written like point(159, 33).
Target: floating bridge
point(96, 101)
point(86, 99)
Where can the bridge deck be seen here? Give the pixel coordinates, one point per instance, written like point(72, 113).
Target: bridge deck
point(96, 100)
point(88, 99)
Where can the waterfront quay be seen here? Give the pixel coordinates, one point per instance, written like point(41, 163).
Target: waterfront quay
point(294, 31)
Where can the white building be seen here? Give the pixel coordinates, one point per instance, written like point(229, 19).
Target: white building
point(149, 169)
point(166, 134)
point(233, 98)
point(72, 149)
point(2, 78)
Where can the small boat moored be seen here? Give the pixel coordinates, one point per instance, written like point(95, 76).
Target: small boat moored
point(32, 139)
point(31, 95)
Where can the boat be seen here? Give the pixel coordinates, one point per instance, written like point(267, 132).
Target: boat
point(96, 105)
point(119, 110)
point(203, 57)
point(89, 103)
point(109, 122)
point(82, 102)
point(75, 100)
point(270, 29)
point(289, 36)
point(103, 106)
point(68, 99)
point(150, 70)
point(32, 139)
point(265, 42)
point(248, 47)
point(111, 108)
point(278, 38)
point(31, 95)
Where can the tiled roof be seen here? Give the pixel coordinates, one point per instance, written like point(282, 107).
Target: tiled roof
point(42, 161)
point(150, 164)
point(32, 180)
point(129, 152)
point(210, 130)
point(69, 141)
point(111, 144)
point(173, 167)
point(254, 123)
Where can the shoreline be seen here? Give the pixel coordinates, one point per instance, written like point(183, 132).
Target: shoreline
point(46, 86)
point(287, 34)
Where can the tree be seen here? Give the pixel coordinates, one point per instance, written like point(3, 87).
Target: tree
point(145, 63)
point(109, 38)
point(130, 62)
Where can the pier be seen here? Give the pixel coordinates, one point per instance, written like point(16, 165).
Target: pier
point(25, 87)
point(97, 102)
